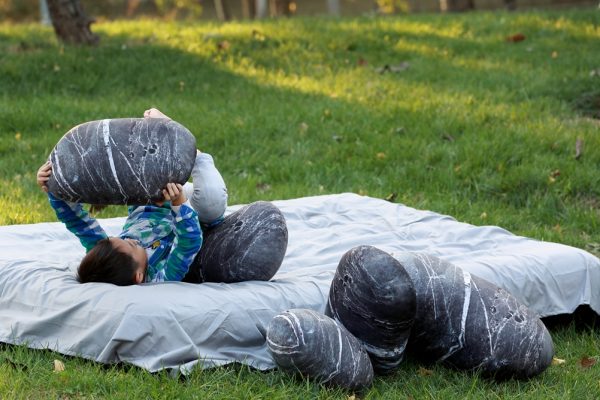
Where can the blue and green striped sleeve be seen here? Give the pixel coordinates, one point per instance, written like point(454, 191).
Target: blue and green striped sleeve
point(187, 243)
point(78, 221)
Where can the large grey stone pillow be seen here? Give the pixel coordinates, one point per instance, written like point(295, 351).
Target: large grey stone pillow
point(121, 161)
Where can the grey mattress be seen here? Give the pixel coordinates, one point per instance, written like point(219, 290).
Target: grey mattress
point(180, 325)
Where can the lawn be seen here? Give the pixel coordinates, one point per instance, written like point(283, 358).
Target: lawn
point(437, 112)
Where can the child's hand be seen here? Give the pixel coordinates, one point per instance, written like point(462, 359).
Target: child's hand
point(43, 175)
point(174, 193)
point(154, 113)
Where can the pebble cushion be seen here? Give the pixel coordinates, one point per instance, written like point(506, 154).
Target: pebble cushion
point(121, 161)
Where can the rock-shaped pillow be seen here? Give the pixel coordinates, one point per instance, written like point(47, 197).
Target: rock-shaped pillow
point(373, 297)
point(121, 161)
point(317, 346)
point(248, 245)
point(470, 323)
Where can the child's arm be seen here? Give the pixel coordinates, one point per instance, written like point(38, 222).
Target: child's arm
point(188, 235)
point(75, 218)
point(78, 221)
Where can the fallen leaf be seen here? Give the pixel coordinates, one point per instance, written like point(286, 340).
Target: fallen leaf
point(258, 35)
point(380, 155)
point(353, 397)
point(517, 37)
point(555, 173)
point(554, 54)
point(263, 187)
point(393, 68)
point(483, 215)
point(587, 362)
point(448, 137)
point(400, 67)
point(557, 228)
point(557, 361)
point(578, 148)
point(361, 62)
point(303, 127)
point(391, 197)
point(595, 72)
point(58, 366)
point(425, 372)
point(22, 46)
point(223, 45)
point(18, 136)
point(593, 248)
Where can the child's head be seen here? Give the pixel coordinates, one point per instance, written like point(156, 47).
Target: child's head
point(114, 260)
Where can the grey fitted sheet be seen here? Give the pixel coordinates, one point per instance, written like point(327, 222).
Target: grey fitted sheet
point(180, 325)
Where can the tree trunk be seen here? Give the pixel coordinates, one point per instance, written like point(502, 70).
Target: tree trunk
point(70, 22)
point(510, 4)
point(333, 6)
point(132, 6)
point(280, 7)
point(248, 9)
point(44, 13)
point(222, 10)
point(261, 8)
point(456, 5)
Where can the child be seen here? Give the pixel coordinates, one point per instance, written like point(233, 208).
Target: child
point(159, 241)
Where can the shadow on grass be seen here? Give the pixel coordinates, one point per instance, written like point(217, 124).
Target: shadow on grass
point(226, 111)
point(233, 113)
point(582, 319)
point(461, 54)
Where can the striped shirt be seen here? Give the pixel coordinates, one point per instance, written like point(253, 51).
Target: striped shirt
point(171, 236)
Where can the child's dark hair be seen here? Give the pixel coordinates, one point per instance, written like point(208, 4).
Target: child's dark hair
point(104, 263)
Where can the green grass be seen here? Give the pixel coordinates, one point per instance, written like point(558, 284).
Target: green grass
point(476, 127)
point(28, 374)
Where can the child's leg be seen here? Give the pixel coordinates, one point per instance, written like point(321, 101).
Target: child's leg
point(208, 195)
